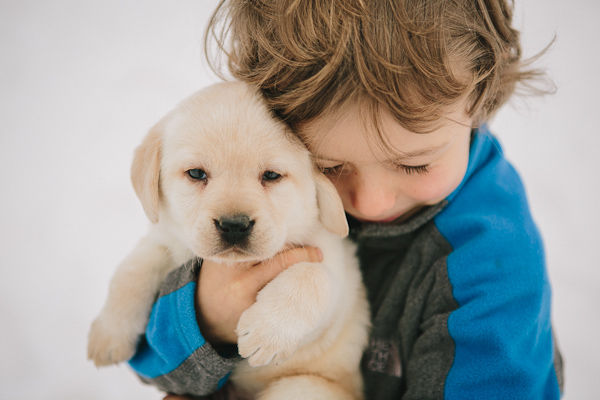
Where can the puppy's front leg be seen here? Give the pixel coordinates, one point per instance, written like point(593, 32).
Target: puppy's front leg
point(115, 332)
point(290, 310)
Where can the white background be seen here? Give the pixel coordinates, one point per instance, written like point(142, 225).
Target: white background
point(81, 82)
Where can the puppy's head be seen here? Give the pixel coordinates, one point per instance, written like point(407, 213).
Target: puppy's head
point(231, 182)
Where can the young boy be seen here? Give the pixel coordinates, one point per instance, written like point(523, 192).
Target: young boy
point(391, 97)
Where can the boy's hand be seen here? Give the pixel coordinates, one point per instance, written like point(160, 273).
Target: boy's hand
point(226, 291)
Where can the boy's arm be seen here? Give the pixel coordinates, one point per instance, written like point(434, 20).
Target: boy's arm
point(501, 332)
point(494, 346)
point(173, 355)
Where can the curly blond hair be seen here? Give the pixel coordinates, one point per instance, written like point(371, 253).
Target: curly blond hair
point(413, 57)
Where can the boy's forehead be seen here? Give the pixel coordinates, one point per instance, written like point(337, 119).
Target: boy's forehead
point(350, 136)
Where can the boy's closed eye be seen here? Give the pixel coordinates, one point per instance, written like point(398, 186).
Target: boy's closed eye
point(414, 169)
point(342, 169)
point(335, 170)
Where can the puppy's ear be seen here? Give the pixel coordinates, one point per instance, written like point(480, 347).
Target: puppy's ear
point(145, 171)
point(331, 209)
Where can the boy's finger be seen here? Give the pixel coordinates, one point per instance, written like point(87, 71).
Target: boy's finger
point(297, 254)
point(264, 272)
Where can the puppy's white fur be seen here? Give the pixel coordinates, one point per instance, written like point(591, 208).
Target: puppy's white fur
point(304, 336)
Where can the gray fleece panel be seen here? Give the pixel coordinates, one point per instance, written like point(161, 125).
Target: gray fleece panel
point(411, 298)
point(181, 277)
point(199, 373)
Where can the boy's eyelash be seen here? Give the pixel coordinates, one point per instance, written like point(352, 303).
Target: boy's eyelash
point(418, 169)
point(409, 169)
point(333, 170)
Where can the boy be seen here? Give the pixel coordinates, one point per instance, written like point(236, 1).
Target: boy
point(392, 97)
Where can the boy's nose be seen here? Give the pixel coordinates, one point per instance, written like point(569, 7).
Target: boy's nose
point(372, 197)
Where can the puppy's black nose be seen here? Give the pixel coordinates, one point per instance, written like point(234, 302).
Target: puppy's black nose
point(235, 228)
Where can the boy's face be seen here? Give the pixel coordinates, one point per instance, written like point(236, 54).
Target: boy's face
point(378, 186)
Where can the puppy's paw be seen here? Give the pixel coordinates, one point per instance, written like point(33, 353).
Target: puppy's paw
point(110, 343)
point(287, 313)
point(263, 338)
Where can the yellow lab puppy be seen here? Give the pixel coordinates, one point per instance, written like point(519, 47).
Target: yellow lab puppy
point(221, 179)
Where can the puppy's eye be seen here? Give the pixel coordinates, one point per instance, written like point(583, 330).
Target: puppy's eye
point(270, 176)
point(197, 174)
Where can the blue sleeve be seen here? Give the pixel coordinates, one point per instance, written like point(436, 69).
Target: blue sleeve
point(504, 346)
point(173, 355)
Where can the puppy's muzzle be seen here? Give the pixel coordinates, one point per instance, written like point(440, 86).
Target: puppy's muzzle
point(234, 229)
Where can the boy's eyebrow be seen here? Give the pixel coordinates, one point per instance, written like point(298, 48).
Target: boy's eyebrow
point(403, 156)
point(421, 152)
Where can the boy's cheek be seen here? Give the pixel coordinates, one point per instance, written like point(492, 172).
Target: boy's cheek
point(443, 178)
point(436, 185)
